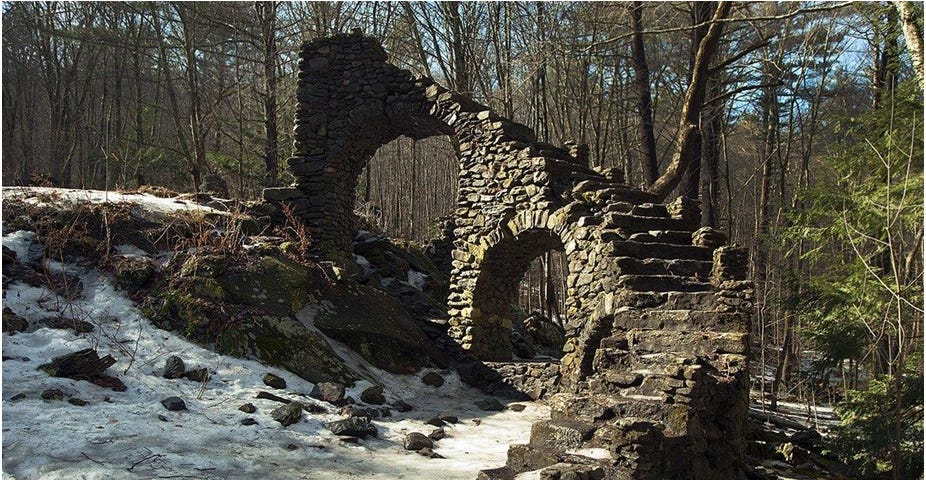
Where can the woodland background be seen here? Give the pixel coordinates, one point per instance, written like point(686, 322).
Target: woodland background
point(807, 145)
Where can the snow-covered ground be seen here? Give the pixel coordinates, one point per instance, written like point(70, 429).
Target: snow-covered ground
point(44, 196)
point(131, 435)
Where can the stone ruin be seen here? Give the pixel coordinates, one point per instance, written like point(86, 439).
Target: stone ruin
point(655, 365)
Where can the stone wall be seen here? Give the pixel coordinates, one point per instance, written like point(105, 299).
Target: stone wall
point(658, 310)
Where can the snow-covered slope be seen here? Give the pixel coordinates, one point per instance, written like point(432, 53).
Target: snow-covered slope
point(131, 435)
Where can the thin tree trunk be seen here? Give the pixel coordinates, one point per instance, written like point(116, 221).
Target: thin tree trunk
point(649, 159)
point(688, 132)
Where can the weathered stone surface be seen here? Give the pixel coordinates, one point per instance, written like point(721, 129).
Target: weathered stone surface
point(359, 427)
point(174, 404)
point(174, 367)
point(330, 392)
point(378, 328)
point(288, 414)
point(417, 441)
point(274, 381)
point(373, 395)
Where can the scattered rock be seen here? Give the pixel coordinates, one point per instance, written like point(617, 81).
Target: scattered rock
point(78, 365)
point(174, 404)
point(432, 379)
point(517, 407)
point(313, 408)
point(355, 411)
point(199, 375)
point(78, 402)
point(416, 441)
point(330, 392)
point(84, 365)
point(288, 414)
point(269, 396)
point(490, 405)
point(437, 434)
point(501, 473)
point(174, 367)
point(131, 272)
point(442, 419)
point(61, 323)
point(18, 397)
point(402, 406)
point(427, 452)
point(162, 418)
point(359, 427)
point(248, 408)
point(274, 381)
point(292, 446)
point(248, 422)
point(373, 395)
point(52, 394)
point(13, 323)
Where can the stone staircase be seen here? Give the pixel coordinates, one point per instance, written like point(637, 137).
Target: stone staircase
point(663, 363)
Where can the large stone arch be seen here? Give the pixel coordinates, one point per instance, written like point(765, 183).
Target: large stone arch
point(351, 102)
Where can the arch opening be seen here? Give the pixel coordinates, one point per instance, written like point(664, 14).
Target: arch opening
point(495, 330)
point(406, 186)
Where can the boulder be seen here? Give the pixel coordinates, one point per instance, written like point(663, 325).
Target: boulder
point(330, 392)
point(490, 405)
point(373, 395)
point(131, 272)
point(358, 427)
point(432, 379)
point(373, 324)
point(288, 414)
point(274, 381)
point(416, 441)
point(174, 404)
point(174, 367)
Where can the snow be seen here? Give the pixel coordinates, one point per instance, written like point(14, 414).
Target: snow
point(46, 196)
point(131, 435)
point(416, 279)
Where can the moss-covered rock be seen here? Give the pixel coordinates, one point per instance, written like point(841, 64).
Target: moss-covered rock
point(277, 285)
point(285, 343)
point(131, 272)
point(377, 327)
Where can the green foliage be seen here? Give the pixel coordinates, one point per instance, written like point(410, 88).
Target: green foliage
point(863, 302)
point(868, 432)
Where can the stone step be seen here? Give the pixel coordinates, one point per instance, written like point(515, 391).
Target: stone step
point(690, 342)
point(631, 223)
point(527, 458)
point(668, 251)
point(662, 283)
point(660, 266)
point(560, 435)
point(681, 320)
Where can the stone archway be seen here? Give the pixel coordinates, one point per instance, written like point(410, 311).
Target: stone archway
point(658, 361)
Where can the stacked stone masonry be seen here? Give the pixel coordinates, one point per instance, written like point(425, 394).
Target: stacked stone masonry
point(654, 369)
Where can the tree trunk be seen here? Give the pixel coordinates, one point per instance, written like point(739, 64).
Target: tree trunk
point(688, 132)
point(649, 159)
point(913, 36)
point(267, 16)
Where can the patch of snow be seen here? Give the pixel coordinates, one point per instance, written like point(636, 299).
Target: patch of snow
point(131, 251)
point(40, 196)
point(131, 435)
point(362, 261)
point(416, 279)
point(23, 244)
